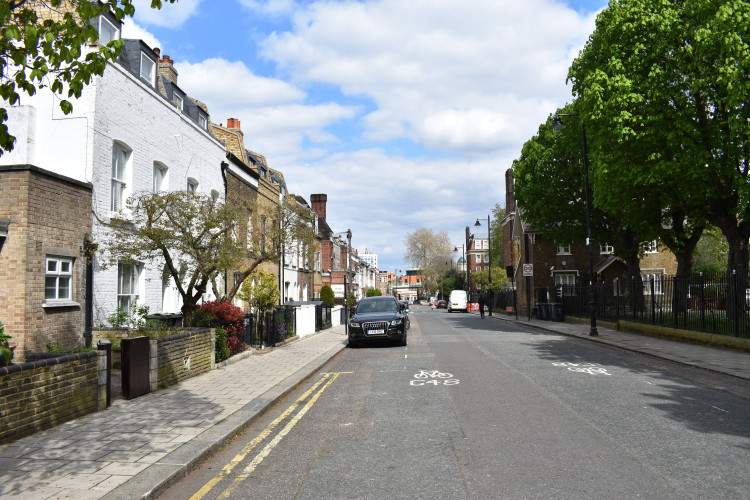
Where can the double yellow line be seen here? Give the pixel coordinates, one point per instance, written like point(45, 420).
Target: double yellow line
point(325, 381)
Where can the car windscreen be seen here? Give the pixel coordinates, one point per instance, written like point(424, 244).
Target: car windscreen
point(374, 306)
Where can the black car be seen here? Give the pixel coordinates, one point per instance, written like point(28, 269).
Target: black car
point(441, 304)
point(377, 318)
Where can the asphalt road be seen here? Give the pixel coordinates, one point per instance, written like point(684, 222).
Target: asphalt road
point(476, 408)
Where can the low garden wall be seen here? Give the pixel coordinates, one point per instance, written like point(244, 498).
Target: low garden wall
point(41, 394)
point(181, 356)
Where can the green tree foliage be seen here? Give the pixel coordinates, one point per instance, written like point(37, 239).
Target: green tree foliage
point(58, 53)
point(373, 292)
point(496, 242)
point(196, 238)
point(663, 86)
point(350, 300)
point(327, 296)
point(710, 255)
point(261, 291)
point(482, 278)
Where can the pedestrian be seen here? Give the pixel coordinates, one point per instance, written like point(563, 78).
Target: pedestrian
point(481, 305)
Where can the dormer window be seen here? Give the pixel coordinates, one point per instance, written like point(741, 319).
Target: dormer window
point(107, 31)
point(178, 102)
point(202, 122)
point(148, 69)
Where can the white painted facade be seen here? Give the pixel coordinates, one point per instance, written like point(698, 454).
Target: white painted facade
point(118, 109)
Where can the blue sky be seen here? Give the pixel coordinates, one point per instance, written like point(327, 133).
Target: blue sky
point(405, 113)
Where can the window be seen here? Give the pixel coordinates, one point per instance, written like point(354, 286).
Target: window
point(647, 277)
point(148, 68)
point(192, 185)
point(202, 122)
point(565, 284)
point(160, 177)
point(119, 170)
point(127, 286)
point(650, 247)
point(107, 31)
point(606, 249)
point(178, 101)
point(563, 249)
point(58, 278)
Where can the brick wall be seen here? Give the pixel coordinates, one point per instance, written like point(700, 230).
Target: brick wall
point(50, 216)
point(45, 393)
point(182, 356)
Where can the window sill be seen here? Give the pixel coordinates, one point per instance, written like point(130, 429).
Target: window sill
point(60, 303)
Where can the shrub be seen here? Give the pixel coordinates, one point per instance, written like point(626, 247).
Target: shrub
point(229, 317)
point(327, 296)
point(374, 292)
point(222, 348)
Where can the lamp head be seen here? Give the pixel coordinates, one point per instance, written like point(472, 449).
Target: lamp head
point(557, 123)
point(477, 223)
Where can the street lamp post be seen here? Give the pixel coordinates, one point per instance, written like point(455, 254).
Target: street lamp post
point(463, 250)
point(557, 124)
point(489, 257)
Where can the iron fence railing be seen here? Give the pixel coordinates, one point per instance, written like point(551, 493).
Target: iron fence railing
point(275, 326)
point(322, 317)
point(715, 304)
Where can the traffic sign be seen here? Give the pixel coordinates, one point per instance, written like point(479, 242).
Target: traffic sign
point(528, 269)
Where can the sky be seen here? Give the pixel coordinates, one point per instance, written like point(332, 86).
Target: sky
point(406, 113)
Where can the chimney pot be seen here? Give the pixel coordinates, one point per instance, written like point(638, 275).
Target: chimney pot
point(157, 51)
point(233, 123)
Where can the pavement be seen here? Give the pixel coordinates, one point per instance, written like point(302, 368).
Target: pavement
point(138, 448)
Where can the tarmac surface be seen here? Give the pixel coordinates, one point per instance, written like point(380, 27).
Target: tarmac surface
point(137, 448)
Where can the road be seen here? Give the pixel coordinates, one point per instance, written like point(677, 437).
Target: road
point(476, 408)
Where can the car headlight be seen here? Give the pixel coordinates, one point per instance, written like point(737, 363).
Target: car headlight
point(354, 324)
point(397, 322)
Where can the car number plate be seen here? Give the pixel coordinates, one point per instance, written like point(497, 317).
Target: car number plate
point(375, 332)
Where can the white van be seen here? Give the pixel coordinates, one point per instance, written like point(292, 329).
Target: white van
point(458, 300)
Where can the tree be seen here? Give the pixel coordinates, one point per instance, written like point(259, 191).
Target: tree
point(428, 251)
point(262, 293)
point(481, 278)
point(710, 255)
point(38, 50)
point(373, 292)
point(496, 243)
point(196, 238)
point(663, 86)
point(327, 296)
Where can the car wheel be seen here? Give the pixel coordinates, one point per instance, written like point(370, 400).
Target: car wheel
point(402, 342)
point(353, 344)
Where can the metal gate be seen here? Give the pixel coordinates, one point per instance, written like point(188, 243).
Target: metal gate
point(135, 373)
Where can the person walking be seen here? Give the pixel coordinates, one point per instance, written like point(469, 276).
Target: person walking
point(481, 305)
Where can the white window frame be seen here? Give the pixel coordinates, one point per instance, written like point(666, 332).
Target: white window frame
point(249, 235)
point(563, 249)
point(192, 185)
point(120, 171)
point(58, 278)
point(103, 21)
point(203, 122)
point(651, 247)
point(148, 69)
point(646, 276)
point(161, 177)
point(606, 249)
point(179, 102)
point(567, 282)
point(128, 278)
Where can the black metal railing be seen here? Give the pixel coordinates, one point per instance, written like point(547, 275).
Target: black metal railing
point(716, 304)
point(276, 325)
point(322, 317)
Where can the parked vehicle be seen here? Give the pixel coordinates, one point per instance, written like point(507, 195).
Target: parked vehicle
point(378, 318)
point(405, 308)
point(458, 301)
point(442, 304)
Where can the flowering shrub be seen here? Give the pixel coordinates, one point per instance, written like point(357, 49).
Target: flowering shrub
point(229, 317)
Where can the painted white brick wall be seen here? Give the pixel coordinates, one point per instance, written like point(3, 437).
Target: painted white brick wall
point(118, 107)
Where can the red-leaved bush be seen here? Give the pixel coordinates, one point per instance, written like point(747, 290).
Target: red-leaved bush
point(232, 319)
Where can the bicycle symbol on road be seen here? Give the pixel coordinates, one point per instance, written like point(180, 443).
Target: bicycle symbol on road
point(433, 377)
point(590, 368)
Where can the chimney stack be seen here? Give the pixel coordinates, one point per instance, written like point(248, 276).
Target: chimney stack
point(166, 67)
point(233, 123)
point(318, 202)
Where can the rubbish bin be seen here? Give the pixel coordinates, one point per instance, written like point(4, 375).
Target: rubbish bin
point(544, 311)
point(556, 310)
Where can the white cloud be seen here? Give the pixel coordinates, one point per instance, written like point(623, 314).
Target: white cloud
point(171, 15)
point(449, 74)
point(273, 8)
point(131, 30)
